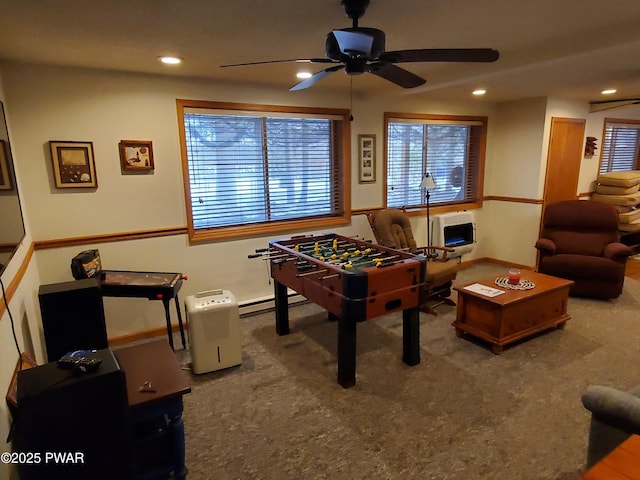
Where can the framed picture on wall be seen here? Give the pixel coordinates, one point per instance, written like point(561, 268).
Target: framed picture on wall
point(5, 177)
point(367, 158)
point(136, 155)
point(73, 164)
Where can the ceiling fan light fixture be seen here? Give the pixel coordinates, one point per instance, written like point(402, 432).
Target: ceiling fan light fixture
point(170, 60)
point(608, 91)
point(479, 91)
point(303, 75)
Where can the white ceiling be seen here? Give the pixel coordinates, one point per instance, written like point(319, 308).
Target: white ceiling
point(562, 48)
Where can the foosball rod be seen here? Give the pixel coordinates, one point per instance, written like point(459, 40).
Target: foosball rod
point(321, 242)
point(259, 252)
point(326, 277)
point(358, 258)
point(313, 242)
point(388, 264)
point(313, 272)
point(267, 256)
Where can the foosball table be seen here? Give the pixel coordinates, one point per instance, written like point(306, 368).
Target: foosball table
point(354, 280)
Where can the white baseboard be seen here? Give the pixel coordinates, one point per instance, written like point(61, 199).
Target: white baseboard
point(264, 304)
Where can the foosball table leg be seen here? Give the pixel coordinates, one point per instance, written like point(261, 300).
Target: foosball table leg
point(282, 308)
point(346, 351)
point(411, 336)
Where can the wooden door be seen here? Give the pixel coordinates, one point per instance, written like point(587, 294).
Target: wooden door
point(563, 162)
point(563, 159)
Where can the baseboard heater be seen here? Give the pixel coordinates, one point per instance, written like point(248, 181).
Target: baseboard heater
point(264, 304)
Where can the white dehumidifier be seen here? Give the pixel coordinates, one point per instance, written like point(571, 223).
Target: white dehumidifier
point(214, 330)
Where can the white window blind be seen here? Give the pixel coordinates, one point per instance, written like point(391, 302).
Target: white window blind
point(621, 146)
point(450, 150)
point(260, 167)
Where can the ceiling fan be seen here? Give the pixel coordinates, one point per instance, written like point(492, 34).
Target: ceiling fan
point(359, 50)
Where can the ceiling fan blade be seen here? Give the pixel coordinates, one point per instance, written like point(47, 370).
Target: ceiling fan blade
point(353, 42)
point(315, 78)
point(441, 55)
point(397, 75)
point(613, 101)
point(298, 60)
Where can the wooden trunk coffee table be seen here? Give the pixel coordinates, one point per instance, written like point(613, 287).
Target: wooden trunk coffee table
point(513, 315)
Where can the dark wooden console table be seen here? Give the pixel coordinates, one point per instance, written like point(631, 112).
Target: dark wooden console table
point(155, 386)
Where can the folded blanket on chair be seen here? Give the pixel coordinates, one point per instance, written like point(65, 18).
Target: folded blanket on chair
point(625, 200)
point(613, 190)
point(620, 179)
point(630, 227)
point(630, 216)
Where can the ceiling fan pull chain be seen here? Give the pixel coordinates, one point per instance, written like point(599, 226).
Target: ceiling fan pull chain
point(351, 99)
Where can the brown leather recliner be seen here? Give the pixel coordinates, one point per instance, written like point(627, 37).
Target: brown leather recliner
point(392, 228)
point(580, 242)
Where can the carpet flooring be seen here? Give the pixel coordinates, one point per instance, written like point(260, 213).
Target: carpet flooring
point(462, 413)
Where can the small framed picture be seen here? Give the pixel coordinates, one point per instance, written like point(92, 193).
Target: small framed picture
point(367, 157)
point(5, 175)
point(136, 155)
point(73, 164)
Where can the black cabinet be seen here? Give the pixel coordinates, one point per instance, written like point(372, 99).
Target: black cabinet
point(84, 418)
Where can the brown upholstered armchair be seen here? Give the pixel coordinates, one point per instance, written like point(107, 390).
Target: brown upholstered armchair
point(580, 242)
point(392, 228)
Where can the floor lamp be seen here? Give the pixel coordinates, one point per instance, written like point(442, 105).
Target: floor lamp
point(428, 184)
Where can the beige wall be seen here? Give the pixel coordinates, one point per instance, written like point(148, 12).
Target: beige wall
point(508, 230)
point(25, 313)
point(517, 140)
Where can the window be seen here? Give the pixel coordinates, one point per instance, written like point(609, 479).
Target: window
point(621, 145)
point(449, 148)
point(256, 169)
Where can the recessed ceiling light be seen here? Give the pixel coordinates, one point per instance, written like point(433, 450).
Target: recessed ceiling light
point(479, 91)
point(608, 91)
point(303, 74)
point(170, 60)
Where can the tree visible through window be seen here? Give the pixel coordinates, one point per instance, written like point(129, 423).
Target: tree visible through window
point(247, 168)
point(450, 149)
point(621, 145)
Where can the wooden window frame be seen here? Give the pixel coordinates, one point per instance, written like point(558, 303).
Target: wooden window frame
point(478, 167)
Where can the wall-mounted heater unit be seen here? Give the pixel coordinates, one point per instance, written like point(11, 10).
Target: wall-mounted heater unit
point(456, 230)
point(214, 330)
